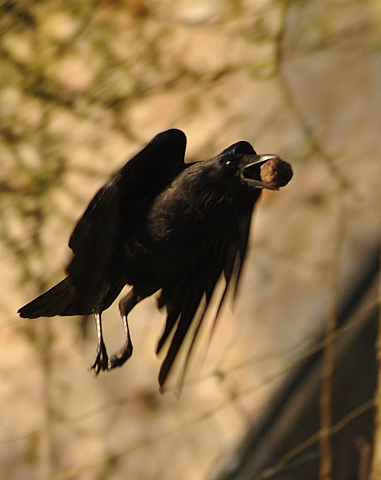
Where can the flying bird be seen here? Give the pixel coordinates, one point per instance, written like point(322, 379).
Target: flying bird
point(163, 225)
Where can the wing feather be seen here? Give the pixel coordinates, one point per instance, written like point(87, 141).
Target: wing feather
point(151, 170)
point(183, 298)
point(98, 235)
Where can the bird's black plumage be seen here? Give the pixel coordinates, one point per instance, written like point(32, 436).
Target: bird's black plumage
point(160, 225)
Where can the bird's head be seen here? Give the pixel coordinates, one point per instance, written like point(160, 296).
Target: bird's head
point(233, 178)
point(256, 171)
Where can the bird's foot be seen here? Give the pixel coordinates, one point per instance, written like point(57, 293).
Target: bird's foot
point(119, 358)
point(101, 359)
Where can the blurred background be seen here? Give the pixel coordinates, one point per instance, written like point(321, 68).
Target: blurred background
point(83, 86)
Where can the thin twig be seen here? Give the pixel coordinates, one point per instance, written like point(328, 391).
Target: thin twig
point(329, 355)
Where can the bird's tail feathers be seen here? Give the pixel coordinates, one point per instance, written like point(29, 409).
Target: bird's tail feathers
point(58, 300)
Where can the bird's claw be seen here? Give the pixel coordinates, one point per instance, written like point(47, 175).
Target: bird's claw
point(119, 358)
point(102, 362)
point(101, 359)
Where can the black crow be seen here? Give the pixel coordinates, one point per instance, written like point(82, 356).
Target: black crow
point(163, 225)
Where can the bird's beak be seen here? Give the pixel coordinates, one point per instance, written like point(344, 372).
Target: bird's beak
point(251, 172)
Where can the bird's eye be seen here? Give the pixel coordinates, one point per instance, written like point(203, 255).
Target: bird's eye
point(228, 163)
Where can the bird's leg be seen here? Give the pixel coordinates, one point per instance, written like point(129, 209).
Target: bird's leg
point(101, 358)
point(126, 304)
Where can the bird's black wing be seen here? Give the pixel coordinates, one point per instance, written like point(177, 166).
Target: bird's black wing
point(196, 287)
point(97, 237)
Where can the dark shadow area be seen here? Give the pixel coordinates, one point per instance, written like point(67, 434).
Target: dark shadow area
point(284, 444)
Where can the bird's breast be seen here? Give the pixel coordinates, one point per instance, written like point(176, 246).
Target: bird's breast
point(186, 223)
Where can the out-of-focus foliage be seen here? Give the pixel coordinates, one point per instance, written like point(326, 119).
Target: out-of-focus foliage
point(83, 85)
